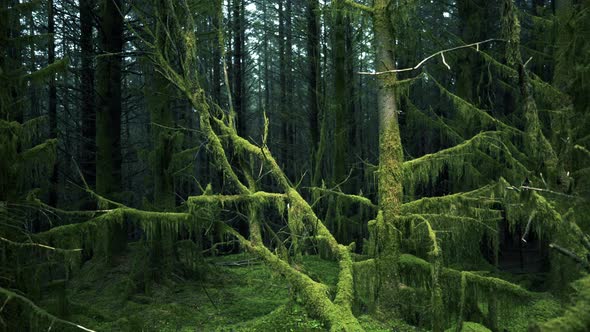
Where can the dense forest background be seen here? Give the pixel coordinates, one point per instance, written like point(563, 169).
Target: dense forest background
point(262, 165)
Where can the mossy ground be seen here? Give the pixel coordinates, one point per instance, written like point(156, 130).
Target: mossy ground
point(243, 297)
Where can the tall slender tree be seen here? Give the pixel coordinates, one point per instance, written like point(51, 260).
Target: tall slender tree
point(88, 128)
point(52, 103)
point(314, 81)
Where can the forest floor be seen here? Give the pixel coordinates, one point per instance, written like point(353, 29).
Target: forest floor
point(237, 294)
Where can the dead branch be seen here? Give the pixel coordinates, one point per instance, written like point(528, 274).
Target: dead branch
point(441, 53)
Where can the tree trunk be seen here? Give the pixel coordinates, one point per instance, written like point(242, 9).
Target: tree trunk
point(52, 105)
point(35, 112)
point(313, 87)
point(472, 22)
point(390, 146)
point(88, 154)
point(159, 105)
point(108, 124)
point(238, 65)
point(341, 99)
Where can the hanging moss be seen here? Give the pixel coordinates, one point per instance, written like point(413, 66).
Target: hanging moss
point(438, 321)
point(365, 284)
point(472, 117)
point(486, 149)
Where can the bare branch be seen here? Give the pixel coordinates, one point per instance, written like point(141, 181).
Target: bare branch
point(441, 53)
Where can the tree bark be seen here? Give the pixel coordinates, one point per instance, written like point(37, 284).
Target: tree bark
point(108, 125)
point(390, 146)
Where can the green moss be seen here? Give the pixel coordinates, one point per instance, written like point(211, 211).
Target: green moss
point(470, 327)
point(365, 284)
point(576, 317)
point(489, 150)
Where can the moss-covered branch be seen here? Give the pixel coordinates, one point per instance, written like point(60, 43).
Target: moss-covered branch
point(337, 315)
point(359, 6)
point(413, 263)
point(352, 198)
point(487, 149)
point(37, 311)
point(258, 197)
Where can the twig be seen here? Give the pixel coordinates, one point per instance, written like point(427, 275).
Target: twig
point(528, 227)
point(441, 53)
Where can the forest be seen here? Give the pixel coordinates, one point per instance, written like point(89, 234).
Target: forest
point(295, 165)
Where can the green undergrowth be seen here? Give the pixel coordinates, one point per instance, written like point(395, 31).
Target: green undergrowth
point(238, 293)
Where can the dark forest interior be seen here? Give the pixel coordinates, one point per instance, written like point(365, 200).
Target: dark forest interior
point(282, 165)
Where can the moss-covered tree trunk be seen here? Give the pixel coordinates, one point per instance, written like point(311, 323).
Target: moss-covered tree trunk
point(390, 146)
point(390, 156)
point(108, 85)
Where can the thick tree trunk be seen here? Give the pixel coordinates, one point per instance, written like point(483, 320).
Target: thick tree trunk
point(390, 146)
point(108, 124)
